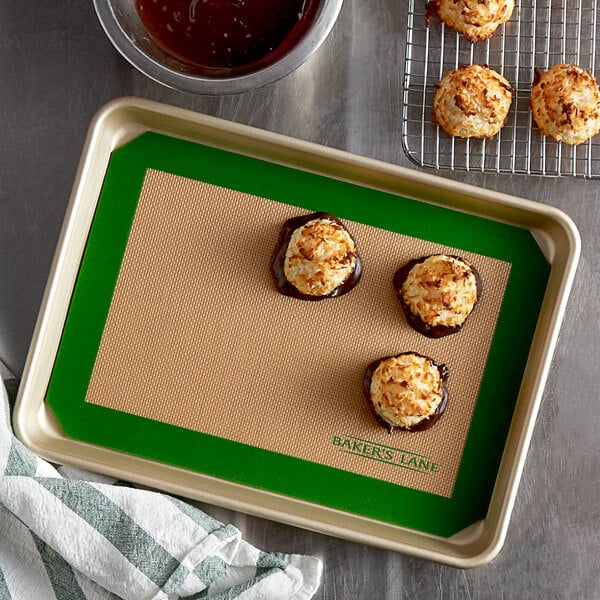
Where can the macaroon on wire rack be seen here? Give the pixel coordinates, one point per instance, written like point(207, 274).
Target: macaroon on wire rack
point(539, 35)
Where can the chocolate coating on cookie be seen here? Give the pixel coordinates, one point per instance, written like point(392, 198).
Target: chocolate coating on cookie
point(315, 258)
point(437, 293)
point(407, 391)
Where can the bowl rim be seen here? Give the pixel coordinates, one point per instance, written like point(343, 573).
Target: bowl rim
point(199, 84)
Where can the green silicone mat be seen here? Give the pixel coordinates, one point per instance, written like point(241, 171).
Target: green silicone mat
point(254, 466)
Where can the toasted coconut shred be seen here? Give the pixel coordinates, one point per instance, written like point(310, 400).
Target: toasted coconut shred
point(441, 290)
point(472, 102)
point(565, 104)
point(406, 389)
point(320, 257)
point(477, 20)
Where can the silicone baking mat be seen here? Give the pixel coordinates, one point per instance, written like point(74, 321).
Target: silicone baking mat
point(177, 346)
point(215, 348)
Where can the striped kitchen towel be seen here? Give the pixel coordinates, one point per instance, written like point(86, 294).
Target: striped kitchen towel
point(68, 538)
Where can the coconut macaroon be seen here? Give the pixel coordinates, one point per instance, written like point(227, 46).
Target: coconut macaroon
point(565, 104)
point(477, 20)
point(316, 258)
point(472, 102)
point(437, 293)
point(407, 391)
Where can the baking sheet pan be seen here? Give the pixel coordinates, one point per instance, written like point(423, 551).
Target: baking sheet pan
point(120, 141)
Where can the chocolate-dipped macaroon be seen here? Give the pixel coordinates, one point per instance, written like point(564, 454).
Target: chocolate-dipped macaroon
point(315, 258)
point(407, 391)
point(437, 293)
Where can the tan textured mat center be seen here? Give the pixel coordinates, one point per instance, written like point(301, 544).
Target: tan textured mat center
point(197, 336)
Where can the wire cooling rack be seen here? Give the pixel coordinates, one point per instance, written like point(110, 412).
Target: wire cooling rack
point(539, 35)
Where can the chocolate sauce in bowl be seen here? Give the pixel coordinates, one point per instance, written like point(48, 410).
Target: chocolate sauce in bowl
point(223, 38)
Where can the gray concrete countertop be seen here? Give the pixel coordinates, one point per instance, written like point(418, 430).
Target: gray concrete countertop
point(57, 68)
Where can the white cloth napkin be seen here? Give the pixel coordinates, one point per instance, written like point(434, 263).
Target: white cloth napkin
point(66, 537)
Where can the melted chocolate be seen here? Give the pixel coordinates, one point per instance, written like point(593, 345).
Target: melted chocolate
point(425, 423)
point(277, 265)
point(431, 10)
point(431, 331)
point(222, 38)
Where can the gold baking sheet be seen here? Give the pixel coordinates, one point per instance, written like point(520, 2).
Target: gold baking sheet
point(124, 119)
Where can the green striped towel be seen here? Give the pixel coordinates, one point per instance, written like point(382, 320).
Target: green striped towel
point(68, 538)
